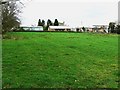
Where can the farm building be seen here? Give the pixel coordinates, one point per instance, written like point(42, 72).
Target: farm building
point(61, 28)
point(100, 28)
point(84, 29)
point(33, 28)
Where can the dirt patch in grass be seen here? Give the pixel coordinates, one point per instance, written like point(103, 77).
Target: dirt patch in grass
point(13, 37)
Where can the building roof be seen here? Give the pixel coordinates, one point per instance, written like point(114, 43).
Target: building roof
point(60, 27)
point(31, 26)
point(100, 25)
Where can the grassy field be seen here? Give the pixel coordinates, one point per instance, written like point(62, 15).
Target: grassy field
point(60, 60)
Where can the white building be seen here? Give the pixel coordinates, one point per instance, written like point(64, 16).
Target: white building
point(100, 28)
point(61, 28)
point(32, 28)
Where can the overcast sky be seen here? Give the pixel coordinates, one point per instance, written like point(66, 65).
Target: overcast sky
point(72, 12)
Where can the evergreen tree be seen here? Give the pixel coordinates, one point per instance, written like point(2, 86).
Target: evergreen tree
point(56, 23)
point(39, 22)
point(43, 23)
point(111, 27)
point(49, 22)
point(83, 28)
point(118, 29)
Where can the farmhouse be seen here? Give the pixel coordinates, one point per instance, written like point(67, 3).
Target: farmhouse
point(32, 28)
point(61, 28)
point(100, 28)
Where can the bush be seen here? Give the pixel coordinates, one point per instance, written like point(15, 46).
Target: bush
point(118, 29)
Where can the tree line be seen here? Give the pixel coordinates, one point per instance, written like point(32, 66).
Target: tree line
point(48, 23)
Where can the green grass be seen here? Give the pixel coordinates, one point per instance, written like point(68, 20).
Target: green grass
point(60, 60)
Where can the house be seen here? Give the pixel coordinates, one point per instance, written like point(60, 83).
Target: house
point(61, 28)
point(100, 28)
point(32, 28)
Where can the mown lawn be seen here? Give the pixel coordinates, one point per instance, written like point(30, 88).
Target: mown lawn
point(60, 60)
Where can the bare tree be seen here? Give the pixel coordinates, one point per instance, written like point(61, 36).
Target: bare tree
point(10, 15)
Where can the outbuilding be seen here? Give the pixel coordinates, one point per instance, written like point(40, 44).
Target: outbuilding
point(100, 28)
point(32, 28)
point(61, 28)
